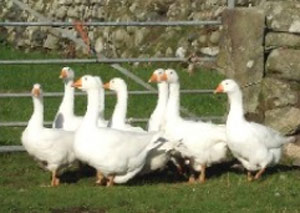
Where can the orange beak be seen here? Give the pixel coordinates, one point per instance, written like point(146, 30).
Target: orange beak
point(106, 85)
point(164, 77)
point(63, 74)
point(219, 89)
point(36, 92)
point(77, 84)
point(153, 78)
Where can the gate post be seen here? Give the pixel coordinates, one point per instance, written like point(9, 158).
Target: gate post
point(242, 54)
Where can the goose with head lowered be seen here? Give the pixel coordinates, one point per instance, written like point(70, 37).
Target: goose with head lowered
point(118, 120)
point(256, 146)
point(204, 143)
point(156, 121)
point(65, 118)
point(53, 147)
point(116, 155)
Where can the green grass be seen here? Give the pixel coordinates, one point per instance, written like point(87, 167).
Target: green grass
point(20, 78)
point(22, 182)
point(23, 189)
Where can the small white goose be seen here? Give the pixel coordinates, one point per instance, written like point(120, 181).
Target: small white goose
point(52, 146)
point(254, 145)
point(65, 118)
point(156, 121)
point(204, 143)
point(116, 155)
point(118, 120)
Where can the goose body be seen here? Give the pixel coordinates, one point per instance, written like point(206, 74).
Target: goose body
point(52, 146)
point(204, 143)
point(65, 118)
point(256, 146)
point(118, 120)
point(115, 154)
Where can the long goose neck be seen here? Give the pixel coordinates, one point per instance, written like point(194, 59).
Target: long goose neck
point(67, 104)
point(37, 117)
point(162, 96)
point(101, 103)
point(173, 101)
point(236, 112)
point(92, 112)
point(120, 111)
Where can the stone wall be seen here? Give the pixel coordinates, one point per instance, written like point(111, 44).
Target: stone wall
point(281, 87)
point(118, 41)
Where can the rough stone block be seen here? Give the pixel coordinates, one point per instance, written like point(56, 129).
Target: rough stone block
point(275, 40)
point(286, 119)
point(279, 93)
point(284, 63)
point(282, 15)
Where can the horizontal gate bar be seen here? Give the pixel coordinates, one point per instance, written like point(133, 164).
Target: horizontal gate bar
point(145, 92)
point(12, 149)
point(110, 24)
point(129, 120)
point(96, 60)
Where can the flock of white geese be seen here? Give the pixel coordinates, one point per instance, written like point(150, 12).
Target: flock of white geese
point(119, 151)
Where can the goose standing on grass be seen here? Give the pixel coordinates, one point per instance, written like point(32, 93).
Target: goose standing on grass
point(116, 155)
point(204, 143)
point(65, 118)
point(157, 159)
point(54, 147)
point(118, 120)
point(254, 145)
point(156, 121)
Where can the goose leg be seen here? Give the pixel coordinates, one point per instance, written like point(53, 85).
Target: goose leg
point(192, 178)
point(100, 178)
point(259, 173)
point(110, 180)
point(249, 176)
point(54, 180)
point(202, 175)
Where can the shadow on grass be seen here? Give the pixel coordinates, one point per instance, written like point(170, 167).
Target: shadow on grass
point(80, 209)
point(170, 174)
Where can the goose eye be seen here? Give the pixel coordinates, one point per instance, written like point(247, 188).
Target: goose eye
point(85, 78)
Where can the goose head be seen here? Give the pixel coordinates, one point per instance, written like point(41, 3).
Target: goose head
point(66, 74)
point(37, 91)
point(87, 82)
point(227, 86)
point(157, 76)
point(116, 84)
point(170, 76)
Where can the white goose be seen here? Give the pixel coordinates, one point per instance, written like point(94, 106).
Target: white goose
point(116, 155)
point(118, 120)
point(157, 159)
point(65, 117)
point(204, 143)
point(254, 145)
point(52, 146)
point(156, 121)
